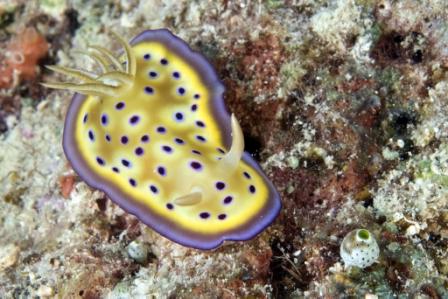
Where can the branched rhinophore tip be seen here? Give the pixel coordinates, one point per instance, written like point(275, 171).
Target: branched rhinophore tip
point(131, 65)
point(96, 89)
point(110, 56)
point(114, 75)
point(82, 75)
point(102, 62)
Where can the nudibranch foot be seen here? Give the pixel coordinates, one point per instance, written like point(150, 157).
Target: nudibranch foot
point(152, 132)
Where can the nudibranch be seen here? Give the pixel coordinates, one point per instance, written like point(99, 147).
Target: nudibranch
point(152, 132)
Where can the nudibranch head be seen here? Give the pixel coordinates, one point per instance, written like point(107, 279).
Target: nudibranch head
point(153, 133)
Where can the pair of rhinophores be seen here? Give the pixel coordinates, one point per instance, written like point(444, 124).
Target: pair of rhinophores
point(152, 132)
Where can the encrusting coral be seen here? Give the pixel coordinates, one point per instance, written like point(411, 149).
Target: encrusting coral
point(20, 59)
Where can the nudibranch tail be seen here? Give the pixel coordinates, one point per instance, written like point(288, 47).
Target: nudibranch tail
point(152, 132)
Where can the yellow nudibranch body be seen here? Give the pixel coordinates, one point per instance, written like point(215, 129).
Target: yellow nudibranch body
point(153, 133)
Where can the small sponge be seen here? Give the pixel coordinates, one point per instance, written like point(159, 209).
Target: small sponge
point(21, 57)
point(359, 248)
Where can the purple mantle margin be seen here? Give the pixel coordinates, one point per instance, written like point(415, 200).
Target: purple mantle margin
point(160, 224)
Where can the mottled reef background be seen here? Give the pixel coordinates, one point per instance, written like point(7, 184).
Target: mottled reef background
point(344, 103)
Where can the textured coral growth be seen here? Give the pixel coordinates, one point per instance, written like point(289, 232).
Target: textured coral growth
point(21, 57)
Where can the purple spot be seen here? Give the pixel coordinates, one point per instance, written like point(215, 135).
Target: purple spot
point(115, 169)
point(200, 138)
point(163, 61)
point(152, 74)
point(220, 185)
point(100, 161)
point(119, 105)
point(161, 170)
point(227, 200)
point(252, 189)
point(181, 91)
point(139, 151)
point(179, 141)
point(149, 90)
point(104, 119)
point(169, 206)
point(222, 216)
point(146, 57)
point(134, 119)
point(196, 152)
point(204, 215)
point(125, 163)
point(176, 75)
point(86, 116)
point(178, 116)
point(196, 96)
point(124, 139)
point(145, 138)
point(200, 124)
point(246, 174)
point(154, 189)
point(91, 136)
point(196, 165)
point(161, 130)
point(108, 137)
point(220, 150)
point(167, 149)
point(133, 182)
point(194, 107)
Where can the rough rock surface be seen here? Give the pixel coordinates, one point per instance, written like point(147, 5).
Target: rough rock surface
point(343, 102)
